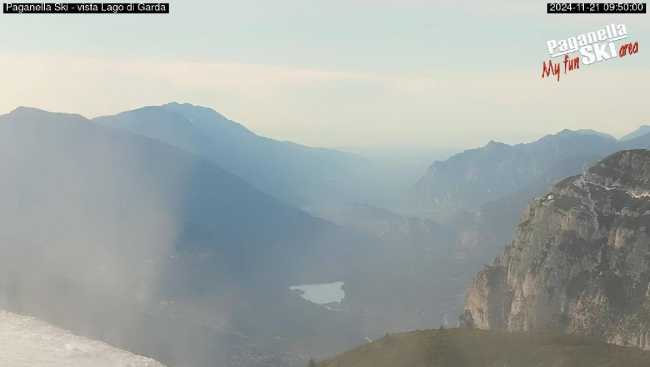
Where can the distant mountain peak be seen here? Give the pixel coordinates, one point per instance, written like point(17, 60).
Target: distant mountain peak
point(477, 176)
point(189, 107)
point(286, 170)
point(641, 131)
point(176, 107)
point(174, 103)
point(32, 113)
point(494, 143)
point(175, 118)
point(569, 132)
point(183, 105)
point(24, 110)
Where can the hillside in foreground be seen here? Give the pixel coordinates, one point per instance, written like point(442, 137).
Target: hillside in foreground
point(480, 348)
point(28, 342)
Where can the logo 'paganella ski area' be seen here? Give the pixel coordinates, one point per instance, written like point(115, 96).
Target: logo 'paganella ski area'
point(607, 43)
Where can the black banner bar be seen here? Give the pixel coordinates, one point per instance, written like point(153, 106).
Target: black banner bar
point(596, 8)
point(85, 8)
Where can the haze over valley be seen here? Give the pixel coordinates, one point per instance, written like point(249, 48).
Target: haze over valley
point(175, 233)
point(340, 183)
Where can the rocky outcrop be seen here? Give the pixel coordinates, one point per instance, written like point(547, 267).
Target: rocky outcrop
point(580, 260)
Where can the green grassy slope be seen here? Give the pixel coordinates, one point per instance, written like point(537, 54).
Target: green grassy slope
point(477, 348)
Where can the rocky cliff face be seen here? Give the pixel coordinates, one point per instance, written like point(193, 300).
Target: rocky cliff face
point(580, 260)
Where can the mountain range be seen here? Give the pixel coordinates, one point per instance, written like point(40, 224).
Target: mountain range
point(294, 173)
point(478, 176)
point(481, 193)
point(159, 227)
point(642, 130)
point(575, 277)
point(125, 238)
point(130, 240)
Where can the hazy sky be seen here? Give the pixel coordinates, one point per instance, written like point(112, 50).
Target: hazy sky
point(334, 73)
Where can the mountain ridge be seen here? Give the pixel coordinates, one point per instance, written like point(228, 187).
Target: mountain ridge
point(100, 221)
point(292, 172)
point(476, 176)
point(641, 131)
